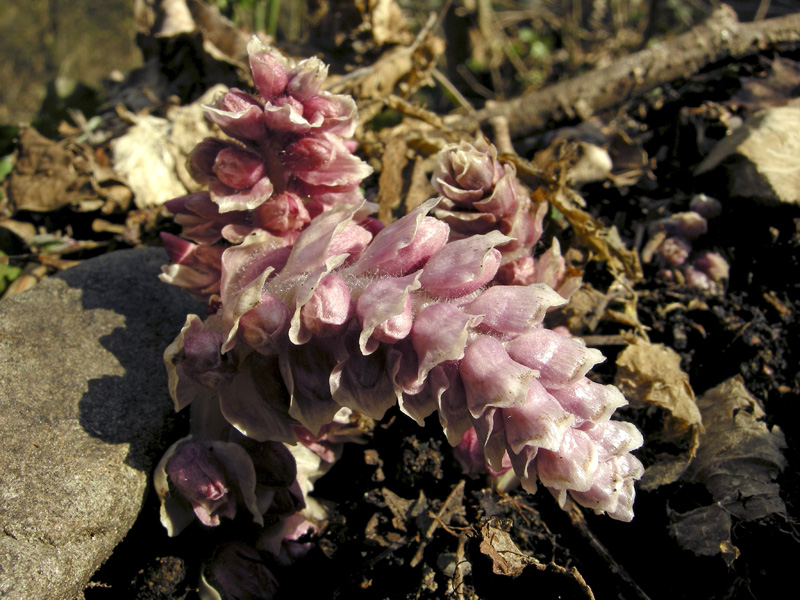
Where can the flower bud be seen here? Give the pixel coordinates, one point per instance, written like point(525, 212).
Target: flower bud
point(329, 309)
point(269, 70)
point(306, 79)
point(239, 115)
point(198, 476)
point(238, 168)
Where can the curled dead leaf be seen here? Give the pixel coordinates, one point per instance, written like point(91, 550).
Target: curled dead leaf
point(650, 375)
point(737, 460)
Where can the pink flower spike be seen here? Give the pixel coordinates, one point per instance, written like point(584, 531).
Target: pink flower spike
point(491, 378)
point(463, 266)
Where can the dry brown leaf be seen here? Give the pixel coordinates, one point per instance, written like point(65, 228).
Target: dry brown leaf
point(507, 558)
point(152, 154)
point(739, 457)
point(650, 375)
point(706, 531)
point(420, 188)
point(737, 460)
point(390, 183)
point(44, 176)
point(605, 241)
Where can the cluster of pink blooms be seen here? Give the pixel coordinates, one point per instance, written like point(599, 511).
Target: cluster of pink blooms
point(316, 312)
point(671, 243)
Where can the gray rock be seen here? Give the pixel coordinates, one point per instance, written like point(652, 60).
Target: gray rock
point(761, 159)
point(84, 415)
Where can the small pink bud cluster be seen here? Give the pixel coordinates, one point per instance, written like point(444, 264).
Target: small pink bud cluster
point(672, 240)
point(361, 321)
point(287, 159)
point(481, 194)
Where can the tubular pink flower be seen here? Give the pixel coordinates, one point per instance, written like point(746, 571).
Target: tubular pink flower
point(405, 245)
point(237, 168)
point(463, 266)
point(572, 466)
point(329, 309)
point(513, 310)
point(384, 311)
point(492, 378)
point(196, 269)
point(239, 115)
point(559, 360)
point(269, 69)
point(197, 475)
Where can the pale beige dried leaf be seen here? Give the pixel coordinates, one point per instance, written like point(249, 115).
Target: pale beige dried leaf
point(390, 183)
point(651, 374)
point(507, 558)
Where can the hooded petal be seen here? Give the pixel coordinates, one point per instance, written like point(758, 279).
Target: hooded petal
point(572, 466)
point(405, 245)
point(513, 309)
point(269, 67)
point(491, 378)
point(328, 312)
point(384, 311)
point(231, 199)
point(311, 248)
point(446, 385)
point(560, 360)
point(239, 115)
point(439, 334)
point(589, 400)
point(255, 401)
point(539, 422)
point(463, 266)
point(245, 270)
point(361, 382)
point(306, 372)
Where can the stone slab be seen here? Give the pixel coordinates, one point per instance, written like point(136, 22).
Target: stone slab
point(84, 414)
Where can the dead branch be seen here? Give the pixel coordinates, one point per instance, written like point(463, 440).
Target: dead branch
point(720, 37)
